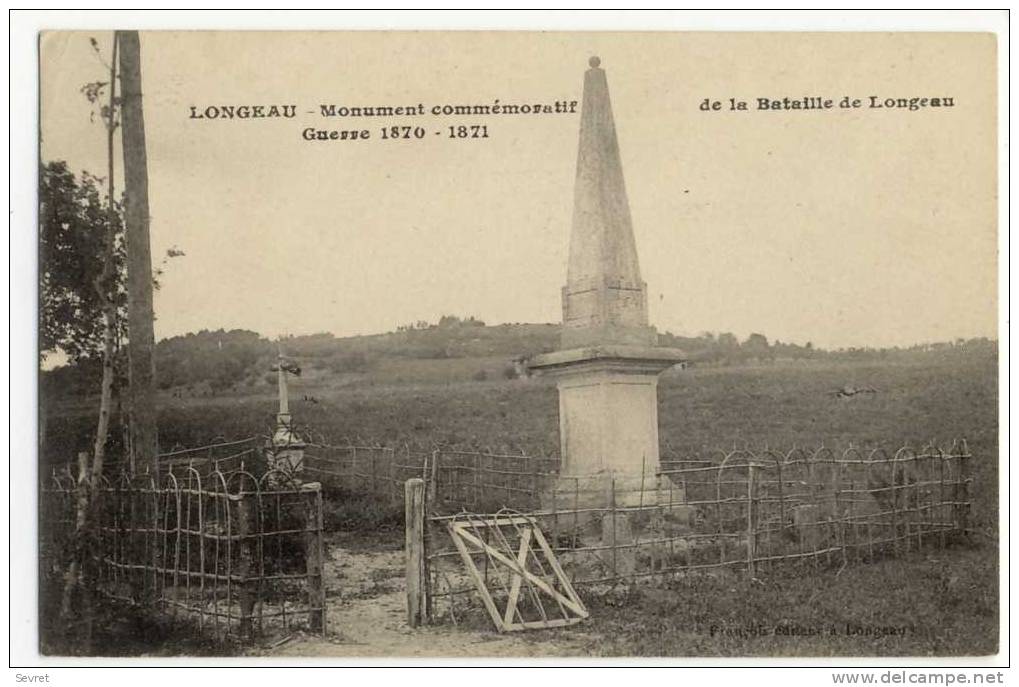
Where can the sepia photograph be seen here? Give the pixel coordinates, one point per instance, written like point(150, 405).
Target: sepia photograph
point(499, 345)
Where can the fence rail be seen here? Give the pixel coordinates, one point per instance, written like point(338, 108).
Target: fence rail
point(738, 511)
point(457, 479)
point(229, 553)
point(225, 456)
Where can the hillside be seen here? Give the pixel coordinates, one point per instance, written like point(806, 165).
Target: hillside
point(215, 363)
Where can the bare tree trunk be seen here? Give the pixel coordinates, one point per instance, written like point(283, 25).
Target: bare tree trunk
point(88, 478)
point(107, 293)
point(141, 358)
point(72, 576)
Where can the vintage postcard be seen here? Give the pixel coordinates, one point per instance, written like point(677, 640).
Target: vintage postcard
point(506, 345)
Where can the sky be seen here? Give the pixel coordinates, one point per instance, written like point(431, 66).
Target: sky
point(843, 227)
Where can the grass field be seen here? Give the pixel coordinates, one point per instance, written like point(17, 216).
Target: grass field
point(778, 405)
point(948, 601)
point(944, 603)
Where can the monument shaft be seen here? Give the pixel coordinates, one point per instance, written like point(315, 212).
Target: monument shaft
point(605, 299)
point(608, 364)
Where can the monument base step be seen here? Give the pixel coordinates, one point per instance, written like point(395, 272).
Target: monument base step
point(611, 489)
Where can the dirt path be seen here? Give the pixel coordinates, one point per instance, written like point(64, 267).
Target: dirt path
point(367, 617)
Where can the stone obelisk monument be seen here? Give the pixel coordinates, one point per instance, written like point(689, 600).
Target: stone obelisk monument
point(608, 363)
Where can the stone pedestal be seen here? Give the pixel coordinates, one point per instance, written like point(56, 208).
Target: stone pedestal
point(286, 452)
point(608, 427)
point(608, 420)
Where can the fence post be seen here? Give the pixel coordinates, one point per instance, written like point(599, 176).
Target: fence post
point(615, 534)
point(433, 479)
point(417, 591)
point(940, 512)
point(393, 480)
point(851, 519)
point(313, 556)
point(895, 510)
point(371, 458)
point(246, 561)
point(157, 550)
point(751, 526)
point(964, 480)
point(840, 519)
point(477, 482)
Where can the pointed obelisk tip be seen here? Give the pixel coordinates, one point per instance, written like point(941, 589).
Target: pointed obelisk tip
point(595, 62)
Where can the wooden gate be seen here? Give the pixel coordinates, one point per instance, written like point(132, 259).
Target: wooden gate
point(519, 566)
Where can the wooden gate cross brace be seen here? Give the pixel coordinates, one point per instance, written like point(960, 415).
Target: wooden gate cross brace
point(462, 533)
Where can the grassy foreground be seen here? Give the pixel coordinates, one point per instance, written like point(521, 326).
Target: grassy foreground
point(942, 603)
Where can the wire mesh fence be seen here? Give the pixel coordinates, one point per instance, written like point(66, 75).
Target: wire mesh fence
point(229, 554)
point(224, 456)
point(457, 479)
point(742, 511)
point(221, 455)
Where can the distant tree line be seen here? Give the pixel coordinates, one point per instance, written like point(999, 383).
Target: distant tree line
point(726, 349)
point(445, 322)
point(215, 361)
